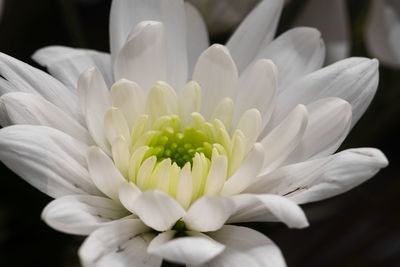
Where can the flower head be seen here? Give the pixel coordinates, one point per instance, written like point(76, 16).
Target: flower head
point(180, 139)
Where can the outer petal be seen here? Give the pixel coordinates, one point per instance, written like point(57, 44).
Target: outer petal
point(158, 210)
point(322, 178)
point(296, 52)
point(104, 173)
point(143, 58)
point(255, 32)
point(193, 250)
point(246, 247)
point(283, 139)
point(81, 214)
point(123, 243)
point(208, 213)
point(217, 75)
point(332, 19)
point(257, 89)
point(353, 79)
point(125, 14)
point(66, 64)
point(328, 125)
point(261, 208)
point(247, 172)
point(196, 35)
point(95, 100)
point(24, 108)
point(383, 31)
point(48, 159)
point(18, 76)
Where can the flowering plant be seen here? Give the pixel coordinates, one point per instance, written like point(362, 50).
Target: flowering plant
point(153, 165)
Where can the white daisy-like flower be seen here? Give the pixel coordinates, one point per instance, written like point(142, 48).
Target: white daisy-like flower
point(153, 150)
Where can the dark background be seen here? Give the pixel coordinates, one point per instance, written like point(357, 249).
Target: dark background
point(358, 228)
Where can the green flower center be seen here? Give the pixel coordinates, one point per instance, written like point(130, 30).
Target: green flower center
point(179, 147)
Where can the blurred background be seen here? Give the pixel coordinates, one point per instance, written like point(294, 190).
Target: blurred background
point(358, 228)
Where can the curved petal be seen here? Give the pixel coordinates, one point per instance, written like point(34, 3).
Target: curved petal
point(128, 192)
point(353, 79)
point(208, 213)
point(50, 160)
point(24, 108)
point(196, 35)
point(66, 63)
point(296, 53)
point(122, 243)
point(143, 58)
point(104, 173)
point(129, 98)
point(332, 19)
point(193, 250)
point(322, 178)
point(328, 125)
point(247, 172)
point(267, 208)
point(125, 14)
point(81, 214)
point(246, 247)
point(16, 76)
point(255, 32)
point(95, 100)
point(383, 31)
point(257, 89)
point(283, 139)
point(158, 210)
point(217, 76)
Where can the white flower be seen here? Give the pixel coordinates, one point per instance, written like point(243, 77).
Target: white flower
point(157, 160)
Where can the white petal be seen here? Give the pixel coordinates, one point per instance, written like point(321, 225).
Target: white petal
point(81, 214)
point(104, 173)
point(332, 19)
point(184, 190)
point(115, 125)
point(121, 155)
point(224, 112)
point(296, 52)
point(17, 76)
point(267, 208)
point(250, 124)
point(129, 98)
point(66, 63)
point(217, 76)
point(282, 140)
point(354, 79)
point(322, 178)
point(128, 192)
point(247, 172)
point(254, 32)
point(46, 158)
point(125, 14)
point(94, 99)
point(192, 250)
point(216, 176)
point(383, 32)
point(196, 35)
point(123, 243)
point(246, 247)
point(24, 108)
point(190, 101)
point(257, 89)
point(329, 122)
point(143, 58)
point(158, 210)
point(208, 213)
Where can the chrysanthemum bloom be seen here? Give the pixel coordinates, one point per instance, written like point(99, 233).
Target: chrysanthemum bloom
point(167, 141)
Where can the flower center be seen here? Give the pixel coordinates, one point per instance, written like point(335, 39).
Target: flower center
point(164, 143)
point(178, 146)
